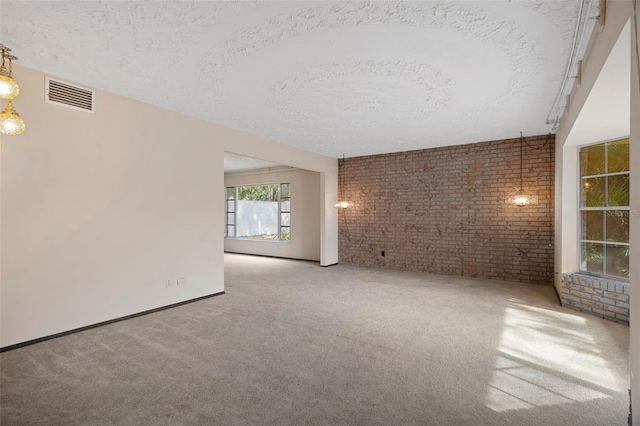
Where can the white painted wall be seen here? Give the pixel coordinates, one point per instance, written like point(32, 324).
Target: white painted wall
point(327, 167)
point(635, 220)
point(604, 116)
point(599, 111)
point(305, 215)
point(99, 210)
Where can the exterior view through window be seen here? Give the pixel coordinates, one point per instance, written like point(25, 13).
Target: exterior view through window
point(604, 209)
point(259, 212)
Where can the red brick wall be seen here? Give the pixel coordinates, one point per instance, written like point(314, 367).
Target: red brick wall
point(443, 211)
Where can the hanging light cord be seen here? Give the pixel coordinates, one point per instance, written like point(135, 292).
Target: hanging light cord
point(546, 141)
point(544, 144)
point(340, 163)
point(521, 140)
point(344, 213)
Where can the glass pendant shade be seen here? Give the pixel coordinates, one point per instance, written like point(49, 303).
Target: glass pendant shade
point(9, 89)
point(521, 198)
point(10, 121)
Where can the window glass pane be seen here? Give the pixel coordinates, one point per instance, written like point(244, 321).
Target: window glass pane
point(285, 233)
point(258, 193)
point(257, 212)
point(618, 156)
point(592, 225)
point(592, 160)
point(285, 190)
point(285, 218)
point(602, 194)
point(618, 261)
point(592, 258)
point(618, 190)
point(593, 192)
point(231, 231)
point(617, 226)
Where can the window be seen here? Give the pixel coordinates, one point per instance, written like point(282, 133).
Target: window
point(259, 212)
point(230, 229)
point(285, 212)
point(604, 209)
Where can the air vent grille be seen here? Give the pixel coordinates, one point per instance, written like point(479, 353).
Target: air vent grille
point(69, 95)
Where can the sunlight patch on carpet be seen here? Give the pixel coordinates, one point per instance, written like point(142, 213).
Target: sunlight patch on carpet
point(546, 358)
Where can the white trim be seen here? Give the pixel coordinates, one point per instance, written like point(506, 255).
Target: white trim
point(605, 208)
point(235, 210)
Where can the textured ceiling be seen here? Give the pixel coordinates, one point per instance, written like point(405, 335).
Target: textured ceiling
point(350, 78)
point(235, 162)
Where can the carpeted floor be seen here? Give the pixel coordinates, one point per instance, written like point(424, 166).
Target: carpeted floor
point(295, 344)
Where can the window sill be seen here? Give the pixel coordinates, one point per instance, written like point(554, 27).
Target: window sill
point(607, 278)
point(257, 240)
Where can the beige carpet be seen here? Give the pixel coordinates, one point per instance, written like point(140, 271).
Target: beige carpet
point(295, 344)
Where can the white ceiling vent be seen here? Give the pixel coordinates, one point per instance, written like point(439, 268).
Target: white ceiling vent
point(69, 95)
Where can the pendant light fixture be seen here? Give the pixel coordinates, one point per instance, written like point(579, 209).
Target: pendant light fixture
point(521, 197)
point(9, 89)
point(10, 121)
point(342, 203)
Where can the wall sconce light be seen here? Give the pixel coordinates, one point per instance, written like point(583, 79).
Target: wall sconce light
point(10, 121)
point(343, 204)
point(521, 197)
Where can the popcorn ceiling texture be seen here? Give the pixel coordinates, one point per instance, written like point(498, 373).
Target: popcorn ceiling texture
point(443, 211)
point(348, 77)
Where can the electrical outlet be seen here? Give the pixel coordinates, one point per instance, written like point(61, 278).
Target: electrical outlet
point(181, 281)
point(168, 283)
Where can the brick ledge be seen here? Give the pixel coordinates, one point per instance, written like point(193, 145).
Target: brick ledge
point(603, 297)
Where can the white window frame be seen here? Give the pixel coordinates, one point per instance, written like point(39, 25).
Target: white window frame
point(235, 209)
point(602, 208)
point(227, 212)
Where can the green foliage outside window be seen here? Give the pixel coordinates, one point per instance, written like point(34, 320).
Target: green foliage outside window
point(269, 219)
point(258, 192)
point(605, 189)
